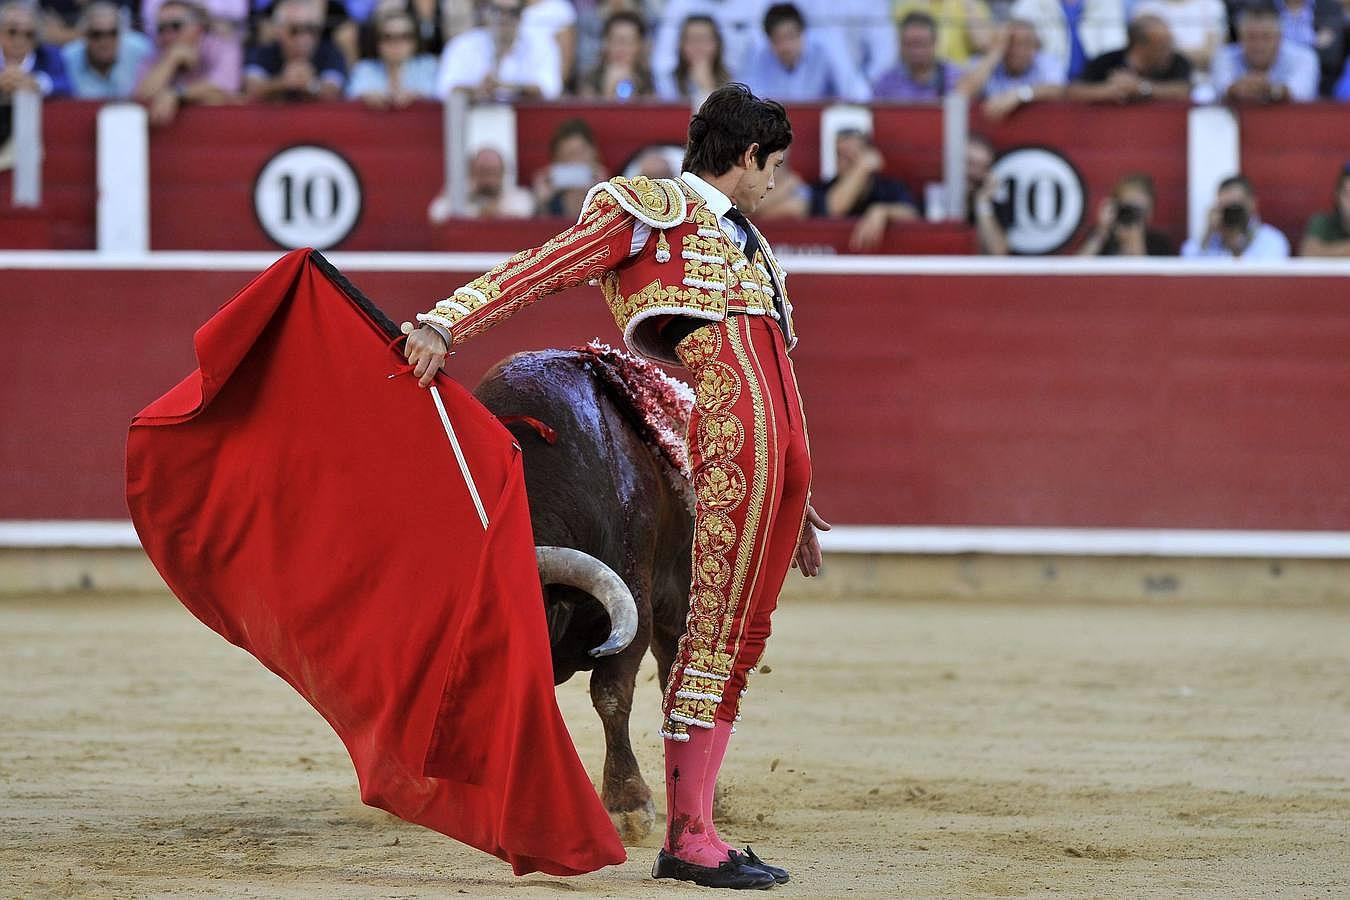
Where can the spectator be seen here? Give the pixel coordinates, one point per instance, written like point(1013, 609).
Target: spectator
point(62, 20)
point(103, 63)
point(1013, 72)
point(622, 73)
point(797, 66)
point(1199, 27)
point(967, 29)
point(300, 65)
point(502, 61)
point(921, 75)
point(860, 189)
point(399, 74)
point(1263, 67)
point(863, 31)
point(189, 65)
point(27, 64)
point(1123, 222)
point(738, 24)
point(592, 17)
point(574, 167)
point(654, 162)
point(555, 21)
point(1147, 69)
point(700, 69)
point(1328, 234)
point(490, 197)
point(1233, 228)
point(991, 218)
point(226, 19)
point(1074, 31)
point(1317, 25)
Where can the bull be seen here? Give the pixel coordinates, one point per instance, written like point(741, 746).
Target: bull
point(605, 500)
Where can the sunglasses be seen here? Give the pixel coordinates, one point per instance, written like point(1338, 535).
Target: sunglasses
point(397, 36)
point(303, 29)
point(168, 25)
point(504, 12)
point(98, 34)
point(27, 33)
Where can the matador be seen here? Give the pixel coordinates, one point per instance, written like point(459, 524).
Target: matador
point(692, 282)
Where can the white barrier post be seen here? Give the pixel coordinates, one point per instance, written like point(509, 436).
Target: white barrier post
point(27, 148)
point(1213, 153)
point(456, 140)
point(955, 132)
point(124, 180)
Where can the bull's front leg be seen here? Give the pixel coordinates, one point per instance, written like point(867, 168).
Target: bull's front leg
point(625, 795)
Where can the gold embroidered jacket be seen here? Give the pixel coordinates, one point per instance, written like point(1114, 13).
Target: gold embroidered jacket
point(689, 267)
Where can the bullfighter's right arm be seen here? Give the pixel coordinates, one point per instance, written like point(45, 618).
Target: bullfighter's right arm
point(600, 241)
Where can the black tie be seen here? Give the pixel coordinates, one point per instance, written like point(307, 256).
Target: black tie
point(751, 248)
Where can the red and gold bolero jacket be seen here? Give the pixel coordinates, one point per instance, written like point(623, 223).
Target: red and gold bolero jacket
point(688, 267)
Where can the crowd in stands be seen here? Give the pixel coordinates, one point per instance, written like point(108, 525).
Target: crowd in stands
point(1003, 54)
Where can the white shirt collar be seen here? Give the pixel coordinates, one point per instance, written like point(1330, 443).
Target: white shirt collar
point(718, 202)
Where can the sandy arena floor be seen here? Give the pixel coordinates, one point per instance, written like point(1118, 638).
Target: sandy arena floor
point(913, 750)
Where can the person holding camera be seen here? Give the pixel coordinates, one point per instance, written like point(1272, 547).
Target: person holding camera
point(1123, 220)
point(1234, 229)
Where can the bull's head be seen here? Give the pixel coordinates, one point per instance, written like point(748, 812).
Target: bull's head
point(563, 565)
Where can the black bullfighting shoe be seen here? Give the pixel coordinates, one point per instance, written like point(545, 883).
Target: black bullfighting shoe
point(748, 858)
point(730, 874)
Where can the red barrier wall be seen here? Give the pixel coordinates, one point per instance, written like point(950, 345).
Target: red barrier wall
point(1143, 401)
point(203, 166)
point(1293, 155)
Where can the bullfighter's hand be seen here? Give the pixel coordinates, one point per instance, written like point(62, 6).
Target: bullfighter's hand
point(425, 351)
point(808, 557)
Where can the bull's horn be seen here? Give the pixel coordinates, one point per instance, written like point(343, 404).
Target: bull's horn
point(564, 565)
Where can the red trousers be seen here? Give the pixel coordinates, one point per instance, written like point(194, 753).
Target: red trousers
point(751, 466)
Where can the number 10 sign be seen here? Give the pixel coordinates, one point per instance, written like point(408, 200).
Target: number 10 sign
point(307, 196)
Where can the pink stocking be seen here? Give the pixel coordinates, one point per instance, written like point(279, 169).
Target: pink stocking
point(718, 752)
point(686, 824)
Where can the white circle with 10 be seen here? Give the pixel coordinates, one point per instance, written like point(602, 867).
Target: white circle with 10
point(1046, 196)
point(307, 196)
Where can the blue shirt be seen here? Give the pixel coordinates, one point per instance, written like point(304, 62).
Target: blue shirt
point(1073, 14)
point(88, 83)
point(1296, 67)
point(819, 75)
point(371, 76)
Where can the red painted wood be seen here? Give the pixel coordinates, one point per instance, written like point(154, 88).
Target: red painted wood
point(1132, 401)
point(1293, 155)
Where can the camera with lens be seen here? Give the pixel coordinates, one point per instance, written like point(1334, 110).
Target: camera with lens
point(1129, 214)
point(1234, 215)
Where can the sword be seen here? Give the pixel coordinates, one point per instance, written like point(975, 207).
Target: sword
point(454, 445)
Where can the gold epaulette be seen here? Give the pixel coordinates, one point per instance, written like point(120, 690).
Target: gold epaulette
point(658, 202)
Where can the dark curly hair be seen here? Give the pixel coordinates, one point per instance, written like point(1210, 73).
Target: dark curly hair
point(728, 122)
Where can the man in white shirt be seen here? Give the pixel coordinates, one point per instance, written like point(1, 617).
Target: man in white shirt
point(1234, 230)
point(502, 61)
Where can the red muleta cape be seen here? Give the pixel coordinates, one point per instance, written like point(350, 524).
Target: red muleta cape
point(310, 510)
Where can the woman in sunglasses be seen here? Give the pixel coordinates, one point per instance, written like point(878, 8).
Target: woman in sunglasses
point(398, 74)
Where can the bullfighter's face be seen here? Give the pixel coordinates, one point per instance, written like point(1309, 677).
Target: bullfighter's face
point(756, 181)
